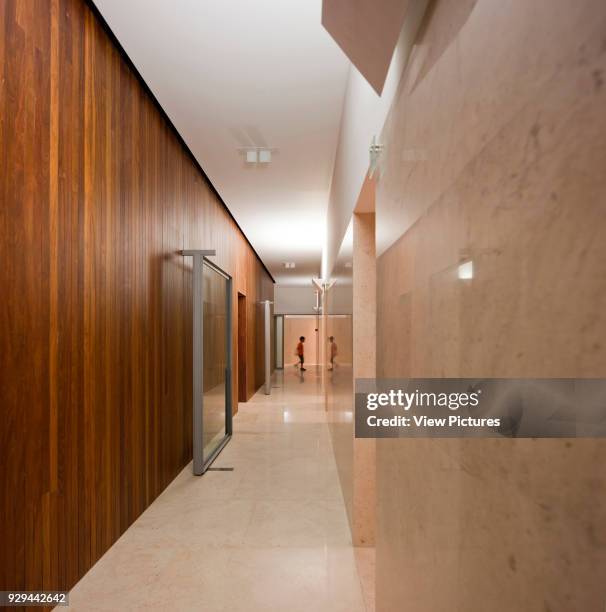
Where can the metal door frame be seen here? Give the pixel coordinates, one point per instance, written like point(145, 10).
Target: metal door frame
point(200, 258)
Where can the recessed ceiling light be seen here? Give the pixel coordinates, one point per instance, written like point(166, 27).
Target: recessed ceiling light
point(289, 265)
point(257, 155)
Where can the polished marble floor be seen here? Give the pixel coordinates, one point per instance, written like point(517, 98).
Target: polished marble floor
point(271, 535)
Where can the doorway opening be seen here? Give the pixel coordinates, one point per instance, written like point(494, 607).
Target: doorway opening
point(242, 386)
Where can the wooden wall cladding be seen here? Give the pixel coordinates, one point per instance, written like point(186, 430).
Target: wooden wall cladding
point(98, 195)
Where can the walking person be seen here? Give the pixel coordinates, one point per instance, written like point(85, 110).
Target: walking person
point(301, 352)
point(333, 352)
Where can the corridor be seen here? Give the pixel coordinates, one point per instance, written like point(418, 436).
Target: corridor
point(405, 197)
point(270, 535)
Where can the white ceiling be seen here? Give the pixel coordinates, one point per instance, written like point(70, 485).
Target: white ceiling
point(236, 73)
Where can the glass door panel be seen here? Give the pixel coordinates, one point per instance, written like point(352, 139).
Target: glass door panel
point(215, 360)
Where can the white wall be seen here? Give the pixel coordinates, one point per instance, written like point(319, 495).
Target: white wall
point(364, 113)
point(301, 300)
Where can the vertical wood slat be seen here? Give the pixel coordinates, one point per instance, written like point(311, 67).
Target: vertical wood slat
point(98, 196)
point(11, 428)
point(50, 498)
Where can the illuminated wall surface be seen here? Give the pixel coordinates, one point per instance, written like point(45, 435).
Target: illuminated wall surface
point(339, 382)
point(495, 152)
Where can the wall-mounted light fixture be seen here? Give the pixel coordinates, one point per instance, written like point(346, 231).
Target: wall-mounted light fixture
point(465, 271)
point(374, 151)
point(322, 284)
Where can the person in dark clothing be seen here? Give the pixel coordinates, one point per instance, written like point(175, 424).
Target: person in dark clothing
point(333, 352)
point(301, 352)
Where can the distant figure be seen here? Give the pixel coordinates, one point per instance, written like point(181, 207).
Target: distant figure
point(333, 352)
point(300, 353)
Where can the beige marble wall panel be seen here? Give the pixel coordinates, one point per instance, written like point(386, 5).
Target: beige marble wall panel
point(339, 405)
point(364, 342)
point(340, 328)
point(498, 62)
point(512, 118)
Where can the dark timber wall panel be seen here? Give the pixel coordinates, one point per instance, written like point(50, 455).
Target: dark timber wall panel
point(98, 195)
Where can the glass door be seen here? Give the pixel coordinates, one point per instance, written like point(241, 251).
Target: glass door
point(216, 407)
point(212, 357)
